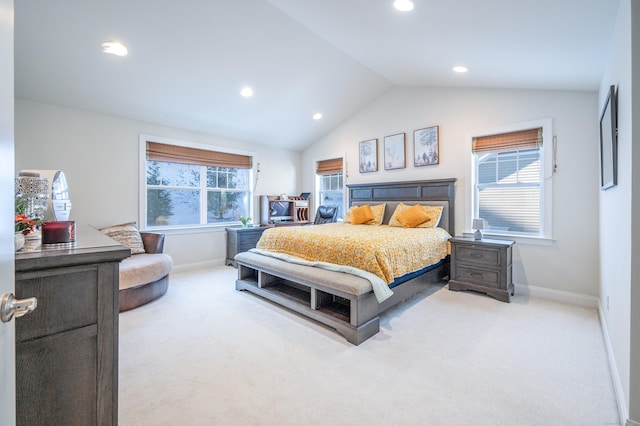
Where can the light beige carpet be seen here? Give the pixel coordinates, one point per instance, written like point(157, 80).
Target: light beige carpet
point(206, 354)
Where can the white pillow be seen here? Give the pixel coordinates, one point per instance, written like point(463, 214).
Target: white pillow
point(126, 234)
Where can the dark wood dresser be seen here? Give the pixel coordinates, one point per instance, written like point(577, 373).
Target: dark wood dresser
point(483, 266)
point(240, 240)
point(67, 348)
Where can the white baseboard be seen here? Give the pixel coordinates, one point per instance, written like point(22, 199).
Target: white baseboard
point(558, 296)
point(198, 265)
point(615, 375)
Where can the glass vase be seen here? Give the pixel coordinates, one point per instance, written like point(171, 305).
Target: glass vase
point(18, 240)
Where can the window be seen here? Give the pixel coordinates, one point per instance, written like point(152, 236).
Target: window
point(331, 184)
point(510, 191)
point(187, 186)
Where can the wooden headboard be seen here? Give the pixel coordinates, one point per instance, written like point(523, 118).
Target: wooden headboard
point(429, 192)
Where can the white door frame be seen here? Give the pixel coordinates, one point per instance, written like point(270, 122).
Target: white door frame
point(7, 200)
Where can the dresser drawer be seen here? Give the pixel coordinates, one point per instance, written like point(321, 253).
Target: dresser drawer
point(67, 300)
point(480, 276)
point(486, 256)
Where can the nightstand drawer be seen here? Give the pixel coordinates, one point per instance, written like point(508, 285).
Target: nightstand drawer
point(248, 241)
point(486, 256)
point(480, 276)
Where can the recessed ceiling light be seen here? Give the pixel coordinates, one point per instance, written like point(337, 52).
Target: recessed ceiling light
point(460, 69)
point(114, 48)
point(246, 92)
point(403, 5)
point(317, 116)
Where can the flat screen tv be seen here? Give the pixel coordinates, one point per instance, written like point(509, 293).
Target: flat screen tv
point(280, 210)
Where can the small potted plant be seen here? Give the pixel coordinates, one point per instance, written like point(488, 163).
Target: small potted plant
point(244, 220)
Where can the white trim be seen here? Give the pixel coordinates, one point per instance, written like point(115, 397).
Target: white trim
point(530, 241)
point(190, 229)
point(547, 173)
point(179, 142)
point(559, 296)
point(188, 267)
point(142, 178)
point(142, 182)
point(613, 369)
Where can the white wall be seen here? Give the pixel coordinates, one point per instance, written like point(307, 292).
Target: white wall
point(570, 262)
point(99, 157)
point(634, 368)
point(616, 209)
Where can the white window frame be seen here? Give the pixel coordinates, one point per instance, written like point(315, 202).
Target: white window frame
point(142, 183)
point(545, 236)
point(344, 185)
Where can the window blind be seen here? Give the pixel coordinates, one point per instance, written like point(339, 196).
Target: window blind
point(326, 167)
point(201, 157)
point(512, 141)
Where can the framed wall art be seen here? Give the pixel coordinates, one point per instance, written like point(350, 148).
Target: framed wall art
point(394, 155)
point(609, 142)
point(426, 147)
point(369, 156)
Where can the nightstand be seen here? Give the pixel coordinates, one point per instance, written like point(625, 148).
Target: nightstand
point(483, 266)
point(241, 239)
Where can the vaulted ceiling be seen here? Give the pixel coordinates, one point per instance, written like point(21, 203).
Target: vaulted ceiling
point(189, 59)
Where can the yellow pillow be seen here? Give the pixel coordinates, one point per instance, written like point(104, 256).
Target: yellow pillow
point(361, 215)
point(377, 211)
point(434, 213)
point(413, 216)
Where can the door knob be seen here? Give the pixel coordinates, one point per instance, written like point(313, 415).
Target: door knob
point(11, 307)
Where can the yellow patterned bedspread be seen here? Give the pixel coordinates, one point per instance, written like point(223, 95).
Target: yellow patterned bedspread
point(386, 251)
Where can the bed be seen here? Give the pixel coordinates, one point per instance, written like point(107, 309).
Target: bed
point(337, 294)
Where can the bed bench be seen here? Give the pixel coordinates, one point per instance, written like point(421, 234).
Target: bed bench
point(341, 301)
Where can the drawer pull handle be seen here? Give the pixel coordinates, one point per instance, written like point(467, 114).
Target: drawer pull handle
point(475, 274)
point(476, 255)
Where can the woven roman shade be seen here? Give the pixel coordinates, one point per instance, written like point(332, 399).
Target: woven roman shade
point(326, 167)
point(200, 157)
point(512, 141)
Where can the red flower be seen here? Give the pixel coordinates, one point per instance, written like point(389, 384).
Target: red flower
point(24, 224)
